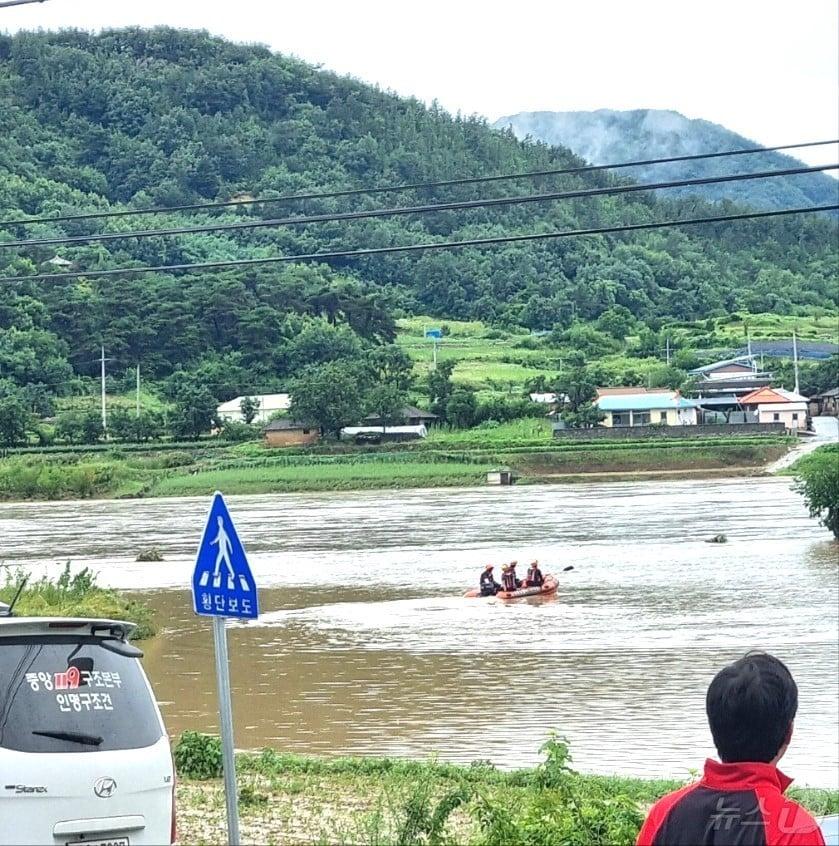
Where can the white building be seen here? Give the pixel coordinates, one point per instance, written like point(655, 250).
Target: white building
point(269, 404)
point(776, 405)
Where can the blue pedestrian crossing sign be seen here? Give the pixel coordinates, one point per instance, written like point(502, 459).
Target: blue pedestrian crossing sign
point(222, 582)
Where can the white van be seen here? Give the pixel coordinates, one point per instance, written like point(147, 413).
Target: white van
point(84, 756)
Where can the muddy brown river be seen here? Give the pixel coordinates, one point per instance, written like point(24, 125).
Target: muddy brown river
point(366, 646)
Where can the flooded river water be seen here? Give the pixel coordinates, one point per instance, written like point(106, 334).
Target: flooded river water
point(366, 646)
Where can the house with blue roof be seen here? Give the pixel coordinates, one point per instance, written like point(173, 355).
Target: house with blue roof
point(646, 408)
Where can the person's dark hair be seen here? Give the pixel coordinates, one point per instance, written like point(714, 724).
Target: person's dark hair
point(751, 705)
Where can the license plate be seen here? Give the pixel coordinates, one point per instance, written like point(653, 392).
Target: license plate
point(111, 841)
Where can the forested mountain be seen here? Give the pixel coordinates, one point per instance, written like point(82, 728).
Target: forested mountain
point(606, 136)
point(134, 118)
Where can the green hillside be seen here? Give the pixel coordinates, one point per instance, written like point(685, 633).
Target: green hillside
point(134, 118)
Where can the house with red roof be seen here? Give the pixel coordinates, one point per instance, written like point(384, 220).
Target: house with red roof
point(776, 405)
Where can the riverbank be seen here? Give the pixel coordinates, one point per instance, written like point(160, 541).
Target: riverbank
point(446, 459)
point(286, 799)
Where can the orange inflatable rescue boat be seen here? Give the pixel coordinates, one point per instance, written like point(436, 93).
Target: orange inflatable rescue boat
point(548, 587)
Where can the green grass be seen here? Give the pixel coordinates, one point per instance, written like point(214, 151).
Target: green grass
point(824, 327)
point(296, 798)
point(60, 477)
point(446, 458)
point(497, 375)
point(75, 595)
point(812, 459)
point(487, 359)
point(322, 477)
point(527, 431)
point(128, 400)
point(414, 327)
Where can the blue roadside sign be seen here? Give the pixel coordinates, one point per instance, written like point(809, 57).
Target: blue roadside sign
point(436, 334)
point(222, 582)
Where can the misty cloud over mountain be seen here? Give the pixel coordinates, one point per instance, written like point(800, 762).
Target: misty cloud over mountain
point(605, 136)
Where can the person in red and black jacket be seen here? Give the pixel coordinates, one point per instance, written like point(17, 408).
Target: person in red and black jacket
point(751, 705)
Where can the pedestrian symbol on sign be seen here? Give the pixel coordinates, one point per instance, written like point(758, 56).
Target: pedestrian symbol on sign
point(222, 583)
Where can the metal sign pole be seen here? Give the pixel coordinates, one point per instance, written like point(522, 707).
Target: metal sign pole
point(226, 719)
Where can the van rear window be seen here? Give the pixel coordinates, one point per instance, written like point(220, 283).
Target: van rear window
point(71, 695)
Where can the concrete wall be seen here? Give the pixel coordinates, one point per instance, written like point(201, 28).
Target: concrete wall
point(631, 433)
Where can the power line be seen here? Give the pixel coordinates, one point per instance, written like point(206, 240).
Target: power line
point(406, 210)
point(5, 3)
point(409, 248)
point(384, 189)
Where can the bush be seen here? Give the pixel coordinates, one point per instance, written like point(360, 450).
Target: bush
point(176, 459)
point(76, 595)
point(818, 482)
point(501, 410)
point(198, 756)
point(237, 432)
point(563, 808)
point(79, 427)
point(37, 477)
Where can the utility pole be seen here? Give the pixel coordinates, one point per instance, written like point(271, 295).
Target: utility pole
point(138, 389)
point(104, 412)
point(795, 359)
point(668, 350)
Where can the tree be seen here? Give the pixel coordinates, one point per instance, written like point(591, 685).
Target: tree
point(194, 412)
point(250, 407)
point(616, 321)
point(14, 420)
point(119, 424)
point(386, 401)
point(439, 386)
point(815, 379)
point(666, 376)
point(576, 393)
point(461, 408)
point(391, 364)
point(329, 396)
point(126, 425)
point(588, 340)
point(79, 427)
point(818, 482)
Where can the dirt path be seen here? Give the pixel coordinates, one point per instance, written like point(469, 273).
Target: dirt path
point(827, 432)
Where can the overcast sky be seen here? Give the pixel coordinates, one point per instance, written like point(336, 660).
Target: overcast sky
point(764, 68)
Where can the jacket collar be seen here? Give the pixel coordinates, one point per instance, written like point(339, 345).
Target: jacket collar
point(743, 775)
